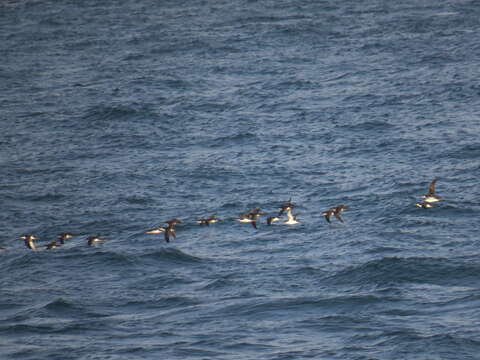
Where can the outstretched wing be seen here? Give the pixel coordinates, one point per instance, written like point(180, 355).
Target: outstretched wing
point(431, 187)
point(337, 215)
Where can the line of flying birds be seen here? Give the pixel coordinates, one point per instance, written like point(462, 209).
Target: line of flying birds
point(248, 217)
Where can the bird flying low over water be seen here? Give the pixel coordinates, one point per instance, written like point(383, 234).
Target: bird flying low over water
point(170, 229)
point(64, 236)
point(170, 232)
point(93, 240)
point(256, 212)
point(291, 218)
point(287, 205)
point(173, 222)
point(29, 241)
point(250, 217)
point(247, 218)
point(431, 197)
point(51, 245)
point(334, 211)
point(207, 221)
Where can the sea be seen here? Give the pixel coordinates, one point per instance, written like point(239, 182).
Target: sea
point(117, 116)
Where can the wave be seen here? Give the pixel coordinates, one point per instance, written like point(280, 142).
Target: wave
point(302, 304)
point(172, 255)
point(37, 169)
point(390, 270)
point(62, 308)
point(48, 197)
point(217, 284)
point(230, 140)
point(135, 199)
point(450, 346)
point(368, 126)
point(116, 112)
point(85, 256)
point(469, 151)
point(59, 305)
point(165, 302)
point(19, 329)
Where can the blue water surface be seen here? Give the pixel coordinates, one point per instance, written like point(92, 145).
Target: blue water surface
point(119, 115)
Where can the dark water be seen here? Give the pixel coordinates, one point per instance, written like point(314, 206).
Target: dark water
point(119, 115)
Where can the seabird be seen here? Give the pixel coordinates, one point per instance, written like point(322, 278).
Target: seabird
point(292, 219)
point(211, 220)
point(247, 218)
point(173, 222)
point(52, 245)
point(170, 230)
point(28, 239)
point(334, 211)
point(64, 236)
point(93, 240)
point(288, 205)
point(250, 217)
point(256, 212)
point(431, 197)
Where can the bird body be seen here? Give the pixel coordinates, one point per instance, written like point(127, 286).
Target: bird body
point(29, 241)
point(207, 221)
point(291, 218)
point(431, 196)
point(287, 206)
point(170, 229)
point(335, 211)
point(51, 245)
point(247, 218)
point(64, 236)
point(93, 240)
point(250, 217)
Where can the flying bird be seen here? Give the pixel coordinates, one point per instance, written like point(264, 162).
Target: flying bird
point(336, 211)
point(250, 217)
point(51, 245)
point(64, 236)
point(291, 218)
point(94, 240)
point(207, 221)
point(431, 197)
point(170, 229)
point(29, 241)
point(287, 205)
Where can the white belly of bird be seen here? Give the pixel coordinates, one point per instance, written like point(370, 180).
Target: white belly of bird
point(155, 231)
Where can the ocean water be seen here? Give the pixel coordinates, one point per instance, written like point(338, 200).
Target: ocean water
point(119, 115)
